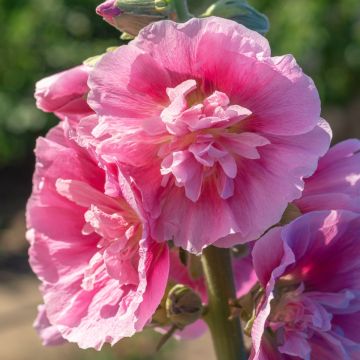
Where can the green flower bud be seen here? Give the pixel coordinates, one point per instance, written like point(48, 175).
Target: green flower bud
point(241, 12)
point(183, 306)
point(130, 16)
point(143, 7)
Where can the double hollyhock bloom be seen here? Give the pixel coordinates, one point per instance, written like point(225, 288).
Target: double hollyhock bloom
point(311, 306)
point(217, 144)
point(310, 272)
point(102, 274)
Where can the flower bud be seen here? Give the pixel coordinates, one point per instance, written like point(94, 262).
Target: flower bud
point(241, 12)
point(130, 16)
point(108, 10)
point(183, 306)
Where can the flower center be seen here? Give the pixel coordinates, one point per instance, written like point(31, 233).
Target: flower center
point(118, 227)
point(289, 312)
point(118, 247)
point(206, 140)
point(292, 309)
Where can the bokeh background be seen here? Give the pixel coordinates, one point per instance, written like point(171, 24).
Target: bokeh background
point(40, 37)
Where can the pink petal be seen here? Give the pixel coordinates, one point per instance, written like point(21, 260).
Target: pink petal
point(48, 333)
point(63, 93)
point(139, 74)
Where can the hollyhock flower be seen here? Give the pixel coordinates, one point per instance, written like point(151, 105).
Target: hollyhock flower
point(64, 93)
point(310, 272)
point(102, 275)
point(336, 182)
point(217, 145)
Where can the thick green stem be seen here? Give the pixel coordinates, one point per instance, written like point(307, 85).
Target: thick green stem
point(181, 9)
point(226, 334)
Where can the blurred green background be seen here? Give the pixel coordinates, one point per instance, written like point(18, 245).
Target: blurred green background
point(38, 38)
point(41, 37)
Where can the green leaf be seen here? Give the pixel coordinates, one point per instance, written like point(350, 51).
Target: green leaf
point(241, 12)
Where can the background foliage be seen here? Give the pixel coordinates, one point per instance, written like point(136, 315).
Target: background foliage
point(38, 38)
point(324, 36)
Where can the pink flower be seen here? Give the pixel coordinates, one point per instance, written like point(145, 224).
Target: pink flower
point(102, 275)
point(336, 182)
point(217, 142)
point(64, 93)
point(310, 272)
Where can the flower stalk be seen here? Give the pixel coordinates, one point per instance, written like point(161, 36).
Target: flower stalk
point(182, 10)
point(225, 332)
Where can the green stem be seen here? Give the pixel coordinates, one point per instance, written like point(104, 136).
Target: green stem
point(181, 9)
point(226, 334)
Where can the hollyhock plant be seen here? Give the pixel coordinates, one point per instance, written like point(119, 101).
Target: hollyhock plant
point(178, 152)
point(102, 275)
point(64, 93)
point(336, 182)
point(218, 145)
point(310, 272)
